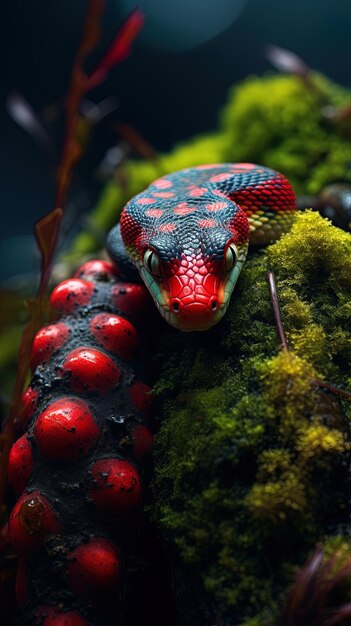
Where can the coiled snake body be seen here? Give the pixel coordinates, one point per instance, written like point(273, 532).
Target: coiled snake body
point(188, 235)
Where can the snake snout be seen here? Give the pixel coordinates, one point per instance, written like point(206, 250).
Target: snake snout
point(195, 315)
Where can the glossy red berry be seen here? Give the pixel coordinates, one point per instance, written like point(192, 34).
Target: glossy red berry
point(141, 396)
point(47, 341)
point(97, 270)
point(27, 408)
point(32, 518)
point(71, 293)
point(20, 464)
point(116, 487)
point(143, 441)
point(50, 616)
point(91, 370)
point(66, 429)
point(94, 567)
point(116, 334)
point(131, 299)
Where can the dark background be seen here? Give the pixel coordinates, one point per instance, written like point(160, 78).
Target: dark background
point(166, 94)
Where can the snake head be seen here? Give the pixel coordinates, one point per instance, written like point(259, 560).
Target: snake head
point(192, 292)
point(189, 264)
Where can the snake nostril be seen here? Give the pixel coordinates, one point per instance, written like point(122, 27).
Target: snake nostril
point(214, 305)
point(176, 306)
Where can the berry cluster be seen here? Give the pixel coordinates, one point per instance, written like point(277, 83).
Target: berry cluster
point(78, 466)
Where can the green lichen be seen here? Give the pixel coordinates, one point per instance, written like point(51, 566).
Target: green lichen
point(251, 457)
point(276, 120)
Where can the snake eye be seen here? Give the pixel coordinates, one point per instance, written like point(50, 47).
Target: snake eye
point(231, 256)
point(152, 262)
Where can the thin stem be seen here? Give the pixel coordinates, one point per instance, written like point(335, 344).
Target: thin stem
point(336, 390)
point(282, 336)
point(276, 310)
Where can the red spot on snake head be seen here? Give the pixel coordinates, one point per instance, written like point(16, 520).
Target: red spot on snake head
point(162, 183)
point(169, 227)
point(195, 293)
point(145, 200)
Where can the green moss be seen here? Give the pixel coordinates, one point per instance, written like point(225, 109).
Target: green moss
point(250, 459)
point(279, 121)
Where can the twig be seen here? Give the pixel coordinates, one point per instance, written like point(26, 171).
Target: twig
point(276, 310)
point(339, 392)
point(282, 336)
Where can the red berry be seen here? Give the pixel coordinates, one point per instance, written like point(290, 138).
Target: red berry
point(28, 406)
point(141, 397)
point(47, 341)
point(94, 567)
point(91, 370)
point(71, 293)
point(143, 441)
point(97, 270)
point(32, 518)
point(20, 464)
point(66, 429)
point(116, 487)
point(115, 334)
point(131, 298)
point(50, 616)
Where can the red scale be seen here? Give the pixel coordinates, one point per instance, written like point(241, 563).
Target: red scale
point(90, 370)
point(115, 488)
point(66, 430)
point(47, 341)
point(70, 294)
point(94, 567)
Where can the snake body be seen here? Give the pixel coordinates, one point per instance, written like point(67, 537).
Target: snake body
point(79, 466)
point(188, 235)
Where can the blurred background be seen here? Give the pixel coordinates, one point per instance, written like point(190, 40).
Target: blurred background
point(170, 88)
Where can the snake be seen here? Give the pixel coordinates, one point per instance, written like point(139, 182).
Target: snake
point(81, 460)
point(187, 236)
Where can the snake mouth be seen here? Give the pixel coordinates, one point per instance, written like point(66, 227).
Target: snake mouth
point(193, 317)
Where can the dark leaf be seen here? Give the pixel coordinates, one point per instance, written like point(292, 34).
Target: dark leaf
point(286, 61)
point(22, 113)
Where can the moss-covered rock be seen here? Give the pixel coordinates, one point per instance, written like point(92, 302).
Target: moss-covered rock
point(252, 456)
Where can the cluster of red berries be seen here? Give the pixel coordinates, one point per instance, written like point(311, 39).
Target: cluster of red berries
point(88, 355)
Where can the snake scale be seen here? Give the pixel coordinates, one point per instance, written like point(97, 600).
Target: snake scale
point(188, 235)
point(79, 464)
